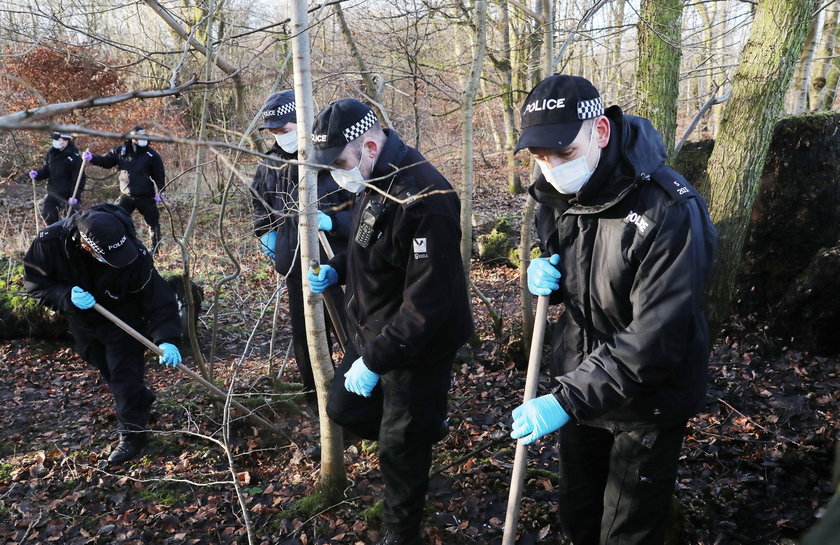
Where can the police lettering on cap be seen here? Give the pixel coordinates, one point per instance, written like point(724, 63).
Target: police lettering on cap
point(337, 125)
point(107, 238)
point(555, 110)
point(278, 110)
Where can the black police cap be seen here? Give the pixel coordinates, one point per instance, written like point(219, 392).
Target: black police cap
point(278, 110)
point(107, 237)
point(555, 109)
point(337, 125)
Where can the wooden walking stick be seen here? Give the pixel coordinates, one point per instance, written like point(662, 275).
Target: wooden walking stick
point(212, 388)
point(332, 310)
point(520, 461)
point(76, 189)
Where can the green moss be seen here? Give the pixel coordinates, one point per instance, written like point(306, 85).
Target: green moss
point(164, 494)
point(6, 471)
point(535, 473)
point(373, 515)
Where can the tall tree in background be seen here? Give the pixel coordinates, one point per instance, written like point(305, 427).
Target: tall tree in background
point(479, 21)
point(333, 476)
point(826, 64)
point(658, 70)
point(802, 79)
point(758, 92)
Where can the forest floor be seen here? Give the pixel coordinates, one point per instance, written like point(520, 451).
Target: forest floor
point(754, 469)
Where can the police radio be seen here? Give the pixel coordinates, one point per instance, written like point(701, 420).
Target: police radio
point(370, 215)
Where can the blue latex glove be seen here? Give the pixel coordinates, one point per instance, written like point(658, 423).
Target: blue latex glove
point(268, 242)
point(72, 201)
point(543, 277)
point(33, 174)
point(359, 379)
point(536, 417)
point(87, 156)
point(326, 277)
point(159, 197)
point(171, 355)
point(81, 298)
point(324, 222)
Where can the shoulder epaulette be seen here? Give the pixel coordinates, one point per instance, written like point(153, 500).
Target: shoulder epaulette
point(51, 231)
point(673, 183)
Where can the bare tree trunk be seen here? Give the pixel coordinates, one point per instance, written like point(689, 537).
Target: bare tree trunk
point(371, 88)
point(514, 180)
point(333, 476)
point(802, 79)
point(614, 64)
point(758, 92)
point(224, 65)
point(468, 109)
point(657, 75)
point(826, 65)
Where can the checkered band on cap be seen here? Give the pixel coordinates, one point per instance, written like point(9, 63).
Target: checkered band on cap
point(360, 127)
point(93, 245)
point(587, 109)
point(283, 109)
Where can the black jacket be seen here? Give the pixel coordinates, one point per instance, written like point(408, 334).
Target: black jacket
point(636, 250)
point(62, 169)
point(275, 192)
point(407, 299)
point(137, 294)
point(141, 169)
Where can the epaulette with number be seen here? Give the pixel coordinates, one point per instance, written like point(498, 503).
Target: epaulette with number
point(51, 232)
point(673, 183)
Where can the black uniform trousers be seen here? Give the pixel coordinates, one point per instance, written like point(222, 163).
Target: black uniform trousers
point(300, 346)
point(147, 208)
point(616, 486)
point(405, 413)
point(54, 208)
point(120, 360)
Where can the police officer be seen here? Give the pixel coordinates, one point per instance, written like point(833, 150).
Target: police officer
point(275, 192)
point(407, 302)
point(142, 178)
point(94, 257)
point(61, 168)
point(628, 248)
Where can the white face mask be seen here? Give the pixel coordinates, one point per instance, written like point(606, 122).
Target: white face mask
point(351, 180)
point(287, 141)
point(142, 143)
point(570, 177)
point(58, 144)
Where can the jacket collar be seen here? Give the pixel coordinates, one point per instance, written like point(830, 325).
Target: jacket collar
point(389, 159)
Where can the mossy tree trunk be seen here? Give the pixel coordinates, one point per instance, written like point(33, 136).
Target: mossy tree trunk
point(658, 70)
point(758, 92)
point(333, 476)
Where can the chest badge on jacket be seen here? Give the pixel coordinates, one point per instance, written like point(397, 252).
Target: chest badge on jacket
point(643, 223)
point(420, 248)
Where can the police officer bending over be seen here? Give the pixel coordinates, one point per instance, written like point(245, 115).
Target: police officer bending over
point(628, 248)
point(407, 303)
point(61, 168)
point(275, 190)
point(142, 178)
point(94, 257)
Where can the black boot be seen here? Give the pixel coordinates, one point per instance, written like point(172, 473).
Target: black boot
point(131, 444)
point(393, 538)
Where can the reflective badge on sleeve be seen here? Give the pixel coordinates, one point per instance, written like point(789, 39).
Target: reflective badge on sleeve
point(420, 248)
